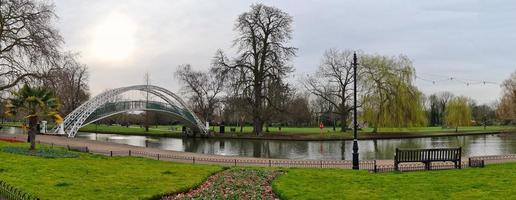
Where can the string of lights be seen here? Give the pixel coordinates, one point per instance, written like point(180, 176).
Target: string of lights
point(434, 79)
point(440, 79)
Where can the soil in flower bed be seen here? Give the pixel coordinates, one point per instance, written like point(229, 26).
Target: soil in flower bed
point(234, 183)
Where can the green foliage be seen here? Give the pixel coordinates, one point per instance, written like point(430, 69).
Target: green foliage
point(389, 98)
point(170, 131)
point(42, 152)
point(33, 102)
point(492, 182)
point(98, 177)
point(457, 112)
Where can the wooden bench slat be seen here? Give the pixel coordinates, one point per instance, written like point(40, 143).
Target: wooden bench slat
point(427, 156)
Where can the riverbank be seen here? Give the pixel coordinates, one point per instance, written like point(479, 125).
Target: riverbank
point(305, 133)
point(349, 136)
point(298, 133)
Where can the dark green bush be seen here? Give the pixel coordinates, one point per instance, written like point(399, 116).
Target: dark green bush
point(41, 152)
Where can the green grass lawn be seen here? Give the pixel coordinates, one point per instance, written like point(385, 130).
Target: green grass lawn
point(159, 130)
point(13, 124)
point(491, 182)
point(98, 177)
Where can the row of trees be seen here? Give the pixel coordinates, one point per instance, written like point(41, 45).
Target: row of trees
point(251, 87)
point(256, 88)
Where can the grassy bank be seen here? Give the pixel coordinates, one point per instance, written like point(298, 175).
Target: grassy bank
point(306, 133)
point(98, 177)
point(160, 130)
point(297, 133)
point(329, 130)
point(492, 182)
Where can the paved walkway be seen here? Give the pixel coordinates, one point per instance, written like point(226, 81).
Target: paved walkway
point(108, 148)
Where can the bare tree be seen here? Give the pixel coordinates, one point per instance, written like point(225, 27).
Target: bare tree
point(69, 81)
point(443, 99)
point(263, 34)
point(299, 111)
point(276, 107)
point(333, 83)
point(235, 110)
point(506, 109)
point(204, 88)
point(29, 43)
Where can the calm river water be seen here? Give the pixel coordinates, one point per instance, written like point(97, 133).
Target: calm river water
point(477, 145)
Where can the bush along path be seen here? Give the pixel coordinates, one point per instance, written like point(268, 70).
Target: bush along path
point(234, 183)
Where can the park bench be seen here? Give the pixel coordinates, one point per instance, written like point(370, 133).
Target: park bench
point(426, 156)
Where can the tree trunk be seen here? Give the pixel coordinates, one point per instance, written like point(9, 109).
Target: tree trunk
point(257, 126)
point(375, 126)
point(343, 120)
point(257, 108)
point(32, 132)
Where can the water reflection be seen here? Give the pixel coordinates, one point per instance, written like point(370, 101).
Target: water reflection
point(334, 150)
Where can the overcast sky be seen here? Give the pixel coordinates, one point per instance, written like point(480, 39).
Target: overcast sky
point(468, 40)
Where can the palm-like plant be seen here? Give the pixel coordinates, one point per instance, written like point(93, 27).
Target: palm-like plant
point(34, 103)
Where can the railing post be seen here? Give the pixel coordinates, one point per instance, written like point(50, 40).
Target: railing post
point(111, 153)
point(320, 162)
point(193, 160)
point(87, 150)
point(235, 162)
point(270, 163)
point(129, 152)
point(375, 169)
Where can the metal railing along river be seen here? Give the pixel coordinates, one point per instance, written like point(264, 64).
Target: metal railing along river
point(371, 165)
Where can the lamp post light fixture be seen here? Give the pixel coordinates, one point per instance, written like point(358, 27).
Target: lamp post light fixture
point(355, 126)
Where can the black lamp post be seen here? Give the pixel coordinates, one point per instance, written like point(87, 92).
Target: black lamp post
point(355, 126)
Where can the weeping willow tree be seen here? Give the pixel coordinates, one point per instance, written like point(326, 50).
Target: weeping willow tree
point(457, 113)
point(389, 97)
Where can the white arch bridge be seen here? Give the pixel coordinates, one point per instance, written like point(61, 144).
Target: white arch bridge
point(107, 104)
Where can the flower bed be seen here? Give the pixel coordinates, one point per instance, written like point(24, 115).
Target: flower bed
point(41, 152)
point(13, 140)
point(235, 183)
